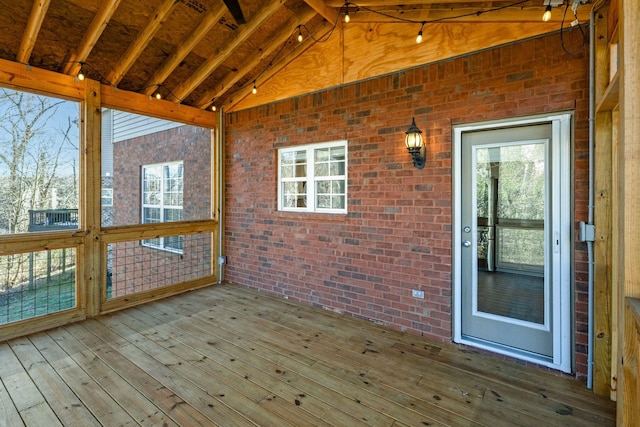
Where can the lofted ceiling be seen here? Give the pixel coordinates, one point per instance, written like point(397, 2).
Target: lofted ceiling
point(196, 52)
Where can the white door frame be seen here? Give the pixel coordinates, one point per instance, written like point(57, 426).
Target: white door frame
point(562, 232)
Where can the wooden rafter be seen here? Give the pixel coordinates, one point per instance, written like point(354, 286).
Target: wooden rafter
point(38, 11)
point(275, 68)
point(214, 61)
point(90, 38)
point(253, 61)
point(329, 13)
point(141, 41)
point(207, 22)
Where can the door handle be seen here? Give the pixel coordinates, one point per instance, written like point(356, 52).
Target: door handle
point(466, 243)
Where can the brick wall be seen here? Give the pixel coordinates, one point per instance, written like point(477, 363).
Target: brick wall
point(191, 144)
point(397, 234)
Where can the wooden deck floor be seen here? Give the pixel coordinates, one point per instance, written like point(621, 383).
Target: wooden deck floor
point(229, 356)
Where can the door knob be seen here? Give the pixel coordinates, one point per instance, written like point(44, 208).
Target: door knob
point(466, 243)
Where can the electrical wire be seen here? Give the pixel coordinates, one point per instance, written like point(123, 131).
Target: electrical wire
point(584, 36)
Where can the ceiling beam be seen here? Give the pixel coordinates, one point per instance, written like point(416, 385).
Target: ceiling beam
point(38, 11)
point(141, 41)
point(90, 38)
point(253, 61)
point(214, 61)
point(278, 66)
point(211, 17)
point(331, 14)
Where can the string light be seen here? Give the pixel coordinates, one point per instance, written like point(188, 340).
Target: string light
point(419, 38)
point(346, 12)
point(213, 107)
point(300, 38)
point(547, 13)
point(80, 75)
point(255, 88)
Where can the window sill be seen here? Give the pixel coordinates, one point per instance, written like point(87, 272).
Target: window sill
point(311, 216)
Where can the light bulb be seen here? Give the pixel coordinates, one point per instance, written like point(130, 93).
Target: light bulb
point(158, 95)
point(346, 17)
point(254, 90)
point(547, 13)
point(300, 37)
point(80, 76)
point(213, 108)
point(419, 38)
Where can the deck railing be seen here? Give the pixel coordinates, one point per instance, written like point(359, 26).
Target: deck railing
point(53, 219)
point(630, 408)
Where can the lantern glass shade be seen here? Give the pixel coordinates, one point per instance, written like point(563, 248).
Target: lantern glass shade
point(414, 136)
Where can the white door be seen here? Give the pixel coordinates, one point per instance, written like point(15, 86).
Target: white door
point(511, 235)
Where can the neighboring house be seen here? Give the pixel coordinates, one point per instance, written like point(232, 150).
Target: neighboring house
point(161, 171)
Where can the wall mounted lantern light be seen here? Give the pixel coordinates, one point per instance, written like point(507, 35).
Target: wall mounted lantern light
point(415, 145)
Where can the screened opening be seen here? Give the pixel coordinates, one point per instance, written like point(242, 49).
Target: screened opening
point(39, 162)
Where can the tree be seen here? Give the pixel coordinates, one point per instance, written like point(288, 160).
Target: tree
point(38, 152)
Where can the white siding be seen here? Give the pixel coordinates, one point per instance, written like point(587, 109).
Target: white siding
point(129, 125)
point(107, 142)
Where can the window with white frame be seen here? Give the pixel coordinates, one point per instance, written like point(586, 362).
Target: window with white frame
point(313, 178)
point(107, 197)
point(162, 194)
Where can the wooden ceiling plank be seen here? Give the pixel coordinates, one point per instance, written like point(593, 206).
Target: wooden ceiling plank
point(331, 14)
point(244, 31)
point(211, 17)
point(90, 38)
point(275, 41)
point(38, 12)
point(278, 66)
point(141, 41)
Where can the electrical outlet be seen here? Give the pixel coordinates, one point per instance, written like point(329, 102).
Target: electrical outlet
point(417, 294)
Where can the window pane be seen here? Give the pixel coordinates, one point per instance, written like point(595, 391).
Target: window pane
point(322, 169)
point(172, 215)
point(39, 157)
point(323, 187)
point(337, 202)
point(322, 155)
point(337, 187)
point(337, 168)
point(300, 171)
point(324, 202)
point(151, 215)
point(289, 201)
point(337, 153)
point(286, 172)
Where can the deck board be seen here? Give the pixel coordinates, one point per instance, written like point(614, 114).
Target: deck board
point(227, 355)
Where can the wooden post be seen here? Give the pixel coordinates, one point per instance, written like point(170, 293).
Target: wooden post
point(91, 284)
point(630, 194)
point(602, 246)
